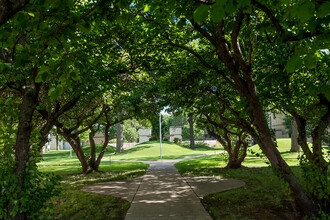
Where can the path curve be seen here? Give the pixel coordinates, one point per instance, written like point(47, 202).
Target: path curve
point(162, 193)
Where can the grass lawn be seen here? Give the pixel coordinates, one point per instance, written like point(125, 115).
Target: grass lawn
point(142, 152)
point(76, 204)
point(149, 151)
point(261, 198)
point(73, 203)
point(284, 146)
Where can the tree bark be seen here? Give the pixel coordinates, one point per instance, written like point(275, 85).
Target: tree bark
point(191, 131)
point(10, 8)
point(245, 85)
point(75, 143)
point(303, 201)
point(234, 159)
point(22, 145)
point(104, 147)
point(93, 148)
point(57, 145)
point(120, 138)
point(294, 137)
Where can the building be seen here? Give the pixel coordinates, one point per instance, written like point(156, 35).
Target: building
point(276, 122)
point(175, 132)
point(144, 134)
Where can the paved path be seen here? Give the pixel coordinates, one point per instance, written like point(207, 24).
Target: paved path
point(164, 194)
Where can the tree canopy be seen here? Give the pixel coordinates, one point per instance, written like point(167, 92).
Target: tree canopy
point(228, 61)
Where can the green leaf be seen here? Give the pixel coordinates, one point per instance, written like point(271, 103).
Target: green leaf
point(231, 7)
point(41, 77)
point(304, 11)
point(221, 2)
point(201, 13)
point(55, 93)
point(311, 61)
point(286, 1)
point(146, 8)
point(244, 3)
point(327, 93)
point(293, 64)
point(84, 27)
point(324, 10)
point(31, 14)
point(217, 13)
point(75, 75)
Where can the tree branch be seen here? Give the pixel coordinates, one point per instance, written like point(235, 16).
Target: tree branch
point(270, 15)
point(235, 42)
point(203, 32)
point(9, 8)
point(201, 59)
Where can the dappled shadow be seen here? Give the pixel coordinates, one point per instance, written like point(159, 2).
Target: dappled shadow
point(164, 193)
point(125, 189)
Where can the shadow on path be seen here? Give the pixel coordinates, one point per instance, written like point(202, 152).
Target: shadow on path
point(162, 193)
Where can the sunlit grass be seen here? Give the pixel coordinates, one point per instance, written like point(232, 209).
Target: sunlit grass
point(73, 203)
point(284, 146)
point(148, 151)
point(263, 196)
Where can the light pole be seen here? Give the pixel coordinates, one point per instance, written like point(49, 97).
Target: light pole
point(160, 133)
point(70, 144)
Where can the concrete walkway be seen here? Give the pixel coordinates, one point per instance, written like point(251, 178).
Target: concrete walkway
point(164, 194)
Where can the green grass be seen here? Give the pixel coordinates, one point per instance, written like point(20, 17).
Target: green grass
point(261, 198)
point(284, 146)
point(147, 151)
point(62, 157)
point(73, 203)
point(150, 151)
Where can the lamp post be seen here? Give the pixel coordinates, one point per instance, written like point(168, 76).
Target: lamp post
point(70, 144)
point(160, 133)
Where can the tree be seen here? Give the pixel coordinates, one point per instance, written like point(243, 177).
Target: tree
point(191, 131)
point(294, 137)
point(231, 41)
point(39, 53)
point(233, 141)
point(131, 127)
point(120, 138)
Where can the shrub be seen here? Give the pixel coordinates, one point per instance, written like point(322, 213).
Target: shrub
point(177, 140)
point(153, 138)
point(38, 187)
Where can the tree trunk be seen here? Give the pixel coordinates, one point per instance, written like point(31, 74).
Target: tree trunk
point(57, 145)
point(93, 148)
point(105, 144)
point(120, 138)
point(191, 130)
point(233, 163)
point(246, 88)
point(22, 145)
point(303, 201)
point(75, 143)
point(319, 177)
point(294, 137)
point(235, 159)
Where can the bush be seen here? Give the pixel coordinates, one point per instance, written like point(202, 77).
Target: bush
point(177, 140)
point(38, 187)
point(201, 145)
point(153, 138)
